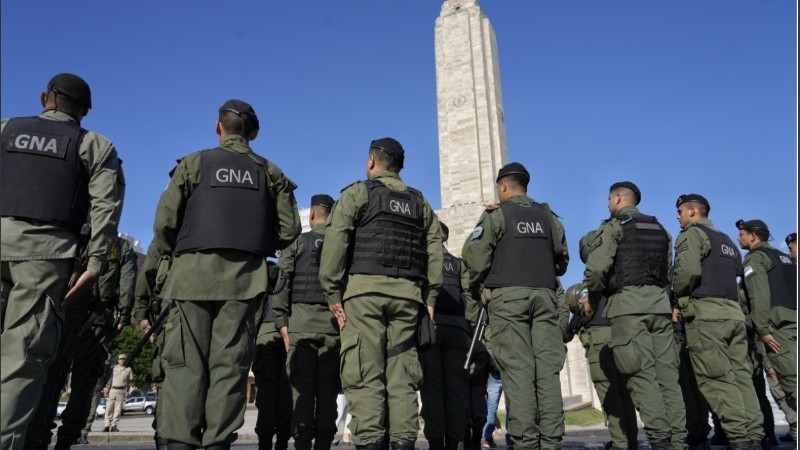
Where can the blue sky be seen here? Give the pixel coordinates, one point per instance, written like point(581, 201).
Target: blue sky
point(679, 97)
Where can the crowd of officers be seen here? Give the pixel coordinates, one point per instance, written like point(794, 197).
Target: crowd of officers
point(370, 302)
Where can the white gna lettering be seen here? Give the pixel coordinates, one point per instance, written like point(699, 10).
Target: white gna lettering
point(233, 175)
point(529, 228)
point(728, 250)
point(39, 143)
point(449, 267)
point(400, 207)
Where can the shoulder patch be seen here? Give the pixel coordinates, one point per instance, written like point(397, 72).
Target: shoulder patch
point(748, 270)
point(476, 233)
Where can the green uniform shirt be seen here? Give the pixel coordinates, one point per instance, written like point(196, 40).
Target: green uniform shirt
point(629, 299)
point(337, 285)
point(691, 246)
point(219, 274)
point(300, 317)
point(764, 315)
point(478, 251)
point(25, 239)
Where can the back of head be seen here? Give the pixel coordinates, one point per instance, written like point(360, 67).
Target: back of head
point(515, 174)
point(69, 93)
point(238, 117)
point(321, 205)
point(388, 153)
point(629, 191)
point(696, 201)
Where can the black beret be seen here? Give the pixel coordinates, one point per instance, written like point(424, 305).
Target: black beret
point(694, 198)
point(513, 168)
point(629, 185)
point(72, 86)
point(240, 107)
point(792, 237)
point(752, 225)
point(390, 146)
point(323, 200)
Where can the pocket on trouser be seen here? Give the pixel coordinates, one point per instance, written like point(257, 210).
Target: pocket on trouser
point(43, 344)
point(247, 346)
point(708, 361)
point(350, 361)
point(626, 355)
point(173, 353)
point(412, 367)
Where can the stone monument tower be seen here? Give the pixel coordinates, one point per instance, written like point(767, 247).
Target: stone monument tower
point(472, 133)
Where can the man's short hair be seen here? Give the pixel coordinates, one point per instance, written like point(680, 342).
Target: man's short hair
point(237, 124)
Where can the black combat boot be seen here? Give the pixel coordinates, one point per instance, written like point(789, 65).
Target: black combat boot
point(660, 445)
point(451, 443)
point(433, 444)
point(409, 445)
point(373, 446)
point(225, 446)
point(322, 443)
point(63, 445)
point(281, 442)
point(180, 446)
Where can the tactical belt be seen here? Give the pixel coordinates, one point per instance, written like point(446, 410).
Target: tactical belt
point(401, 348)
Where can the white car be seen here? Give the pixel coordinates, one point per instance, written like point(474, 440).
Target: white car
point(60, 409)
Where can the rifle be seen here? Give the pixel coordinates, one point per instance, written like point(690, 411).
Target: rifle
point(159, 323)
point(575, 322)
point(483, 321)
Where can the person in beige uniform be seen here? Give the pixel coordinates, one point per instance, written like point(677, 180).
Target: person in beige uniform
point(116, 389)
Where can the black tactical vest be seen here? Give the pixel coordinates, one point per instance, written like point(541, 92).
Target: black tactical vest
point(719, 268)
point(642, 253)
point(231, 206)
point(42, 175)
point(598, 320)
point(306, 287)
point(782, 278)
point(390, 238)
point(450, 300)
point(524, 256)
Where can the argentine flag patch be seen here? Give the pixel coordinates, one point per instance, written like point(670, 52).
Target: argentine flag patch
point(748, 270)
point(476, 233)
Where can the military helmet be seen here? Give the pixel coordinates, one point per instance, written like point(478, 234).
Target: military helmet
point(574, 294)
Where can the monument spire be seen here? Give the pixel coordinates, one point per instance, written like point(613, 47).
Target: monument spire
point(472, 134)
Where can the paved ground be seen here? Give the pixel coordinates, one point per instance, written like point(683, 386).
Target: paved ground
point(136, 434)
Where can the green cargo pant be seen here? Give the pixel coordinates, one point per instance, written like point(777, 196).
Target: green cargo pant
point(785, 362)
point(444, 387)
point(783, 403)
point(610, 386)
point(273, 391)
point(380, 390)
point(208, 349)
point(719, 358)
point(313, 362)
point(31, 321)
point(697, 410)
point(476, 411)
point(644, 352)
point(529, 352)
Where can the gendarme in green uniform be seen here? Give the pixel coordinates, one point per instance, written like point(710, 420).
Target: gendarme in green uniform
point(379, 371)
point(526, 335)
point(217, 277)
point(313, 358)
point(641, 315)
point(704, 281)
point(38, 257)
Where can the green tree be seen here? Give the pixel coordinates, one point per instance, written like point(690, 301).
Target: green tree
point(142, 365)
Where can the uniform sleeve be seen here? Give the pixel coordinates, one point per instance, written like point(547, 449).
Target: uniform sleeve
point(338, 232)
point(287, 225)
point(563, 309)
point(280, 301)
point(471, 308)
point(756, 265)
point(562, 259)
point(689, 252)
point(601, 258)
point(106, 193)
point(479, 249)
point(169, 214)
point(435, 251)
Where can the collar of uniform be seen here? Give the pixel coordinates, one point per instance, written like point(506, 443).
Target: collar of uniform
point(627, 210)
point(60, 116)
point(236, 143)
point(385, 174)
point(764, 244)
point(520, 199)
point(703, 221)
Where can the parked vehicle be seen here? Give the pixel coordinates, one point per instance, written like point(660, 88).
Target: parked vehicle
point(60, 409)
point(146, 404)
point(100, 412)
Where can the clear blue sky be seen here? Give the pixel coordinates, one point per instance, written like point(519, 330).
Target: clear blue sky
point(680, 96)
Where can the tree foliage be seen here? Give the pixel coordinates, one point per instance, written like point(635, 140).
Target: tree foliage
point(142, 365)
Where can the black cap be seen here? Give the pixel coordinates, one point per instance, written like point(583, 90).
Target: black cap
point(390, 146)
point(71, 86)
point(323, 200)
point(629, 185)
point(752, 225)
point(514, 168)
point(240, 107)
point(445, 231)
point(694, 198)
point(792, 237)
